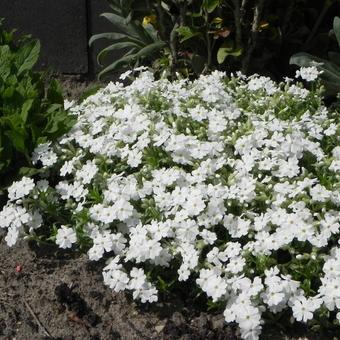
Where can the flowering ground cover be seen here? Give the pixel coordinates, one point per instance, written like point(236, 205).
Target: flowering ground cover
point(228, 185)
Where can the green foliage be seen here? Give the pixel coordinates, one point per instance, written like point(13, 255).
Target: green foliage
point(197, 36)
point(30, 111)
point(136, 41)
point(330, 68)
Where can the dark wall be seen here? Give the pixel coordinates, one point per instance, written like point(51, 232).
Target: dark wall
point(63, 27)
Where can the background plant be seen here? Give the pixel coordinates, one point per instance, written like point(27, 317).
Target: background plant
point(135, 40)
point(200, 35)
point(330, 68)
point(31, 105)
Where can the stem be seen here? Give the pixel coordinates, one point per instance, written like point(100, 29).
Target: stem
point(173, 48)
point(183, 11)
point(253, 35)
point(237, 16)
point(209, 51)
point(243, 10)
point(160, 20)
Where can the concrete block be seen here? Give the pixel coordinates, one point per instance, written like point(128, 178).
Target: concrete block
point(61, 27)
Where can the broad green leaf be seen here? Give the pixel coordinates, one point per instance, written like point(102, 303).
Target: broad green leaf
point(224, 51)
point(5, 61)
point(25, 109)
point(147, 50)
point(128, 18)
point(132, 29)
point(26, 171)
point(114, 47)
point(186, 33)
point(210, 5)
point(54, 93)
point(8, 93)
point(123, 60)
point(17, 139)
point(114, 6)
point(152, 32)
point(108, 36)
point(336, 28)
point(28, 56)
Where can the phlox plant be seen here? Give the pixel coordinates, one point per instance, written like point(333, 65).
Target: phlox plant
point(228, 182)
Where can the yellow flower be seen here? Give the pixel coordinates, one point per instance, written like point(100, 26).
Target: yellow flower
point(149, 19)
point(263, 25)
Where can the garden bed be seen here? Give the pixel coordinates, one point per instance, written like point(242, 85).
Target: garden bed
point(92, 311)
point(207, 240)
point(89, 310)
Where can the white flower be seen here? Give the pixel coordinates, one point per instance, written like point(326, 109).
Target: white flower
point(87, 172)
point(44, 153)
point(205, 178)
point(42, 185)
point(12, 236)
point(308, 73)
point(65, 237)
point(68, 104)
point(123, 209)
point(20, 188)
point(303, 308)
point(212, 283)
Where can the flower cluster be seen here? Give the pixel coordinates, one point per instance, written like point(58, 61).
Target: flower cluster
point(230, 182)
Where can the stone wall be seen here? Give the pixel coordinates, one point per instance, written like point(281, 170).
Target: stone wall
point(63, 27)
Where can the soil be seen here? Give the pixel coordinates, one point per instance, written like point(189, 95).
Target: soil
point(46, 293)
point(74, 86)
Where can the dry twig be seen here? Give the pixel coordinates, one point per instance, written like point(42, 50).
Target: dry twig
point(43, 328)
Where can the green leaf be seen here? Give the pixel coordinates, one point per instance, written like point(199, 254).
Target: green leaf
point(25, 109)
point(132, 29)
point(28, 56)
point(224, 51)
point(108, 36)
point(17, 139)
point(336, 28)
point(147, 50)
point(118, 63)
point(116, 46)
point(54, 93)
point(152, 32)
point(26, 171)
point(5, 62)
point(210, 5)
point(186, 33)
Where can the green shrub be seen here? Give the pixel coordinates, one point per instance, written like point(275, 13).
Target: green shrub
point(31, 106)
point(229, 186)
point(196, 36)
